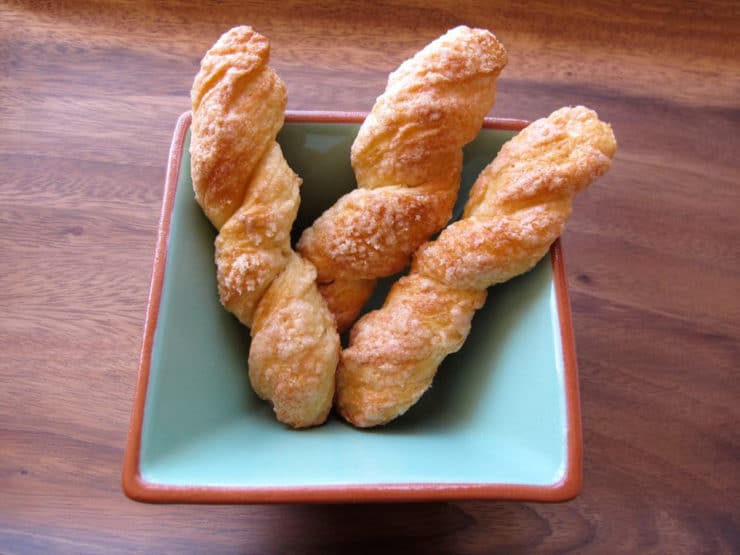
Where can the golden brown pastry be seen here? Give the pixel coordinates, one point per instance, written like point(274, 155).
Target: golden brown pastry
point(248, 191)
point(253, 246)
point(517, 208)
point(238, 108)
point(407, 159)
point(286, 364)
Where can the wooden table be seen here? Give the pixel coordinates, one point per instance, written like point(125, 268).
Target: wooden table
point(89, 95)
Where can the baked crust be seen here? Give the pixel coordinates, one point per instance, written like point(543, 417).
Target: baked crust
point(238, 108)
point(517, 208)
point(248, 191)
point(292, 368)
point(407, 159)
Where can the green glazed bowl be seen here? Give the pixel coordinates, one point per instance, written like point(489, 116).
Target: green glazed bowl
point(502, 420)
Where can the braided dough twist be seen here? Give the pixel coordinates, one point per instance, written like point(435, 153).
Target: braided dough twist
point(407, 160)
point(517, 208)
point(248, 191)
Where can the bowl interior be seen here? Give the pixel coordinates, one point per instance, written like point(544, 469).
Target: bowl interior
point(496, 412)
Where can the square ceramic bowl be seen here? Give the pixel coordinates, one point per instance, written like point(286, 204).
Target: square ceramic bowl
point(502, 420)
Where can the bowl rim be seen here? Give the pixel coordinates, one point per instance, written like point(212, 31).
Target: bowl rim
point(138, 489)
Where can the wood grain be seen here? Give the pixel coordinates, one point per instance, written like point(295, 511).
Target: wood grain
point(89, 94)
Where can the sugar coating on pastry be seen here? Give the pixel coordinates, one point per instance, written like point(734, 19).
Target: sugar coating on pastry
point(238, 108)
point(407, 158)
point(517, 208)
point(249, 192)
point(287, 365)
point(254, 244)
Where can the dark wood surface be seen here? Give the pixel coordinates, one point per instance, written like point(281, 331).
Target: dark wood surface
point(89, 95)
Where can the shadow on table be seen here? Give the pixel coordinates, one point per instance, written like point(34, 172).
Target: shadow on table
point(479, 527)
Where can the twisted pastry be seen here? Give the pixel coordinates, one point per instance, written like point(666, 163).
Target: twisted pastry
point(517, 208)
point(238, 108)
point(407, 160)
point(248, 191)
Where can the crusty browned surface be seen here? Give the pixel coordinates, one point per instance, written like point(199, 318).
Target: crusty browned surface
point(517, 208)
point(253, 246)
point(520, 202)
point(238, 109)
point(90, 93)
point(286, 364)
point(240, 176)
point(407, 159)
